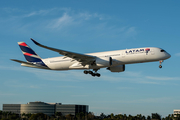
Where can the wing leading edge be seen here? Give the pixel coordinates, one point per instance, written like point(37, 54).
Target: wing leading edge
point(84, 59)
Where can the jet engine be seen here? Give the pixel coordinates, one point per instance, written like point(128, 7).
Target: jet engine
point(103, 61)
point(119, 68)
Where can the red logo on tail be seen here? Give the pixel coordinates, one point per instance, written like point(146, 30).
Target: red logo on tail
point(23, 44)
point(147, 49)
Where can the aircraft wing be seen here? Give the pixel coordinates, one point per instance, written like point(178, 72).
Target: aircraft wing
point(84, 59)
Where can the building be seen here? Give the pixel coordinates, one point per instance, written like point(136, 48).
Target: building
point(71, 109)
point(176, 112)
point(46, 108)
point(14, 108)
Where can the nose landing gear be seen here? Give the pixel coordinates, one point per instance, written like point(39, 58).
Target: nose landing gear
point(92, 73)
point(160, 62)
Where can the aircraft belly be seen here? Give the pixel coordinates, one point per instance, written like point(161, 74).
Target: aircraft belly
point(78, 65)
point(59, 66)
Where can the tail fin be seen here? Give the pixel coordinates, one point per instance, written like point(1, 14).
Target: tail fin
point(30, 55)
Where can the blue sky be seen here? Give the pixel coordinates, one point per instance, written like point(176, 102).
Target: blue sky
point(92, 26)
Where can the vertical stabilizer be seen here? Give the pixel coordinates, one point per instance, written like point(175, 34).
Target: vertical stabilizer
point(30, 55)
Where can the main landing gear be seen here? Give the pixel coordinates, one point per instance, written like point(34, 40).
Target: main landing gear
point(92, 73)
point(160, 62)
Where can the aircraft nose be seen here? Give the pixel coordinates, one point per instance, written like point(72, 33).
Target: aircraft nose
point(168, 55)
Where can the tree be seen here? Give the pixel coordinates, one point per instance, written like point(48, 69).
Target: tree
point(80, 116)
point(24, 114)
point(143, 117)
point(13, 116)
point(125, 117)
point(139, 116)
point(112, 116)
point(69, 117)
point(102, 116)
point(4, 119)
point(1, 114)
point(90, 116)
point(38, 116)
point(130, 117)
point(148, 117)
point(156, 116)
point(58, 114)
point(121, 117)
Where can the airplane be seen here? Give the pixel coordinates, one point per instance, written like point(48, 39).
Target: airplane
point(114, 61)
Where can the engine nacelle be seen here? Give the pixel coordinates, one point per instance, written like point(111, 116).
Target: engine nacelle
point(119, 68)
point(103, 61)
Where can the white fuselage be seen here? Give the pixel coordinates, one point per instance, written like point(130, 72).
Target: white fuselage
point(119, 57)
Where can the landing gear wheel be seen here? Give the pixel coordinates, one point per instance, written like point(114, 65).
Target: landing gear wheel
point(86, 72)
point(90, 72)
point(160, 66)
point(93, 74)
point(98, 75)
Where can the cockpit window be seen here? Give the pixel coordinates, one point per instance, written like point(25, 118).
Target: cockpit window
point(163, 50)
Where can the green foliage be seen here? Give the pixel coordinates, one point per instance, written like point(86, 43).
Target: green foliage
point(80, 116)
point(69, 117)
point(90, 116)
point(58, 114)
point(156, 116)
point(1, 112)
point(102, 116)
point(83, 116)
point(148, 117)
point(38, 116)
point(5, 119)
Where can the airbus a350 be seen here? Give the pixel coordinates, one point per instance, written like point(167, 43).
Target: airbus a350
point(114, 61)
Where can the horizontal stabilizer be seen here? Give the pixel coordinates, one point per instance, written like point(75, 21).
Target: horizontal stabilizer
point(19, 61)
point(28, 64)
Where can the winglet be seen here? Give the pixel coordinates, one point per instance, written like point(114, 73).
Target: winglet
point(35, 42)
